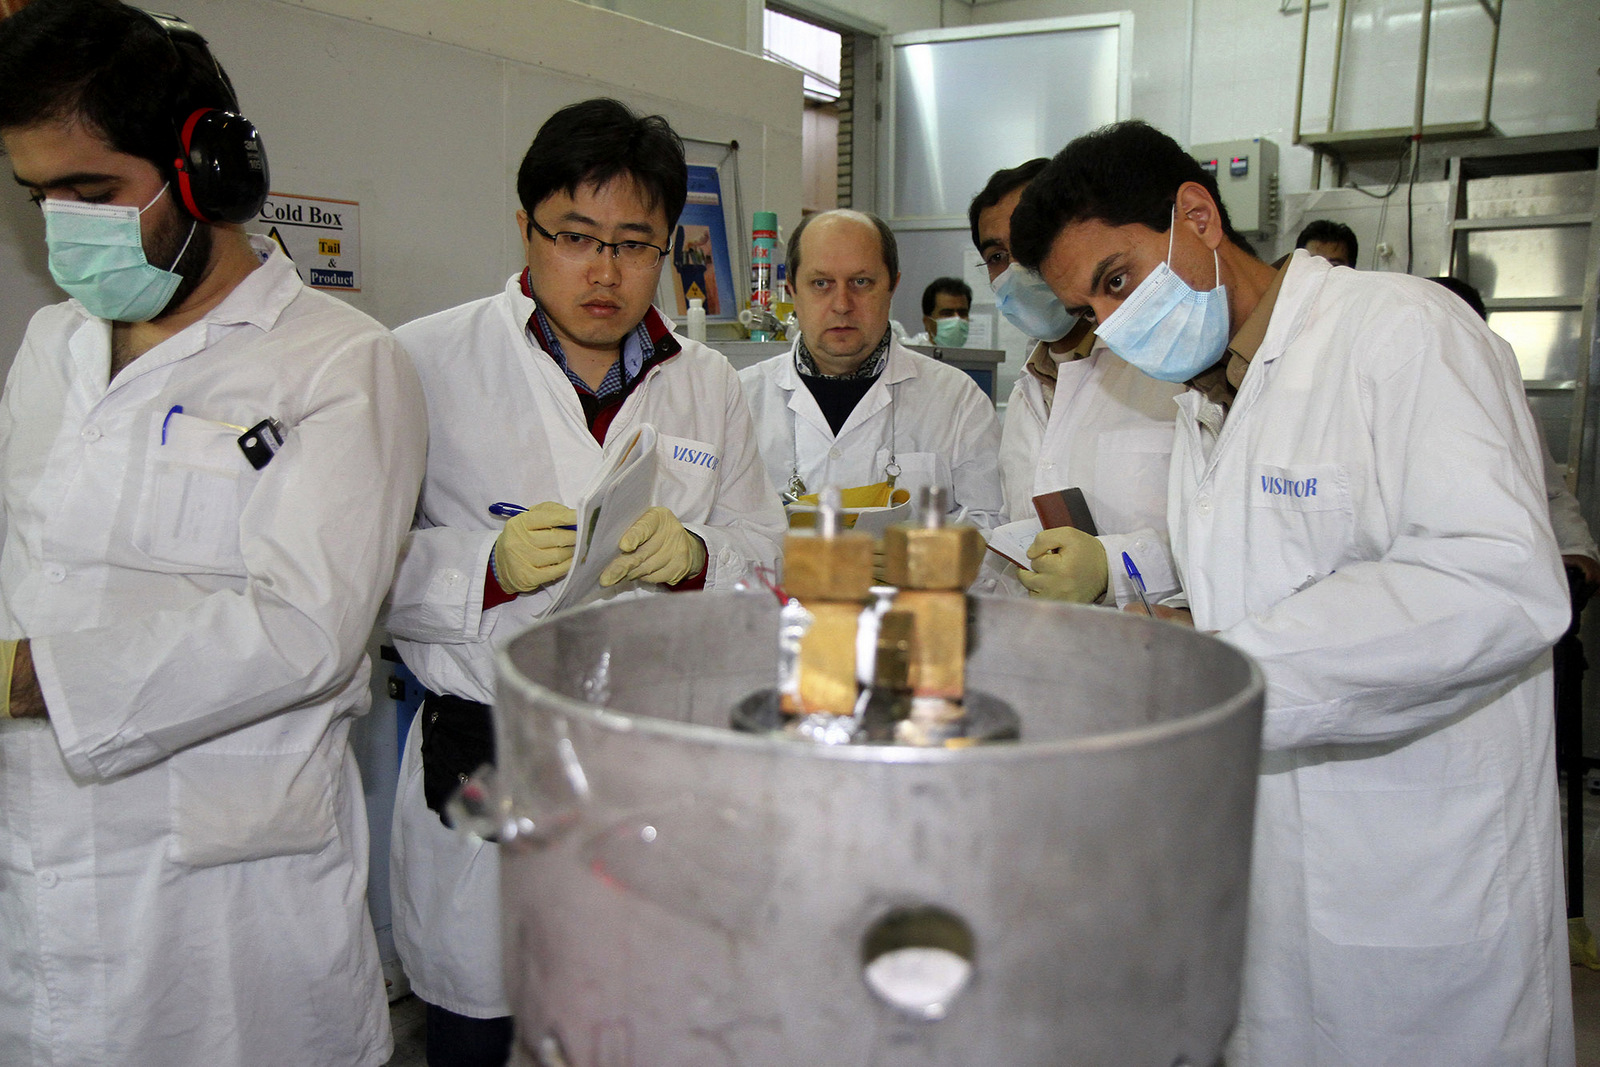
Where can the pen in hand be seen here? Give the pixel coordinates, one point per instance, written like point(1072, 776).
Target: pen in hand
point(503, 509)
point(1138, 583)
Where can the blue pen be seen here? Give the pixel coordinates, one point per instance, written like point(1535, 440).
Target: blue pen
point(504, 509)
point(1138, 582)
point(176, 409)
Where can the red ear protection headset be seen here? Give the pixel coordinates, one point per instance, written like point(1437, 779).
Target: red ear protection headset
point(220, 172)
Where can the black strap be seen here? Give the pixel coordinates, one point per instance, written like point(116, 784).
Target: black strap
point(457, 739)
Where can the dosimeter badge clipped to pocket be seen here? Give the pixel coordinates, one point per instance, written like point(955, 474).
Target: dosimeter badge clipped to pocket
point(261, 442)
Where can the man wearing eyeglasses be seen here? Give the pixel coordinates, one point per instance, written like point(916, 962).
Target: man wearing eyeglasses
point(527, 391)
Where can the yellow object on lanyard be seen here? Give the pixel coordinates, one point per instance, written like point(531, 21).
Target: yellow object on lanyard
point(877, 495)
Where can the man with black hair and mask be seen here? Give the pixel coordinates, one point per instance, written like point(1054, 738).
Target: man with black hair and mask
point(946, 314)
point(206, 472)
point(529, 392)
point(1356, 501)
point(1079, 417)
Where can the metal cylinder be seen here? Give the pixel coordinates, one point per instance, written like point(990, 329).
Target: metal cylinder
point(679, 894)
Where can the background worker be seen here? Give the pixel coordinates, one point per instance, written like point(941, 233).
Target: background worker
point(946, 314)
point(1333, 241)
point(850, 406)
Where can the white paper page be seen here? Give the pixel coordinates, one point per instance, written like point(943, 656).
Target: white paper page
point(1013, 540)
point(620, 495)
point(876, 520)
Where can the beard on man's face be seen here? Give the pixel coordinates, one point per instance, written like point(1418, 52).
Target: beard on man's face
point(172, 241)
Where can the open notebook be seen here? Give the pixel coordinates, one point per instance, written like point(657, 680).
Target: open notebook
point(619, 494)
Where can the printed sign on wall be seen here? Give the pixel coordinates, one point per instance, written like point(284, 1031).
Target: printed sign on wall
point(321, 236)
point(700, 264)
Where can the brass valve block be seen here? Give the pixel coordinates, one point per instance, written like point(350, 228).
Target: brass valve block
point(933, 565)
point(831, 577)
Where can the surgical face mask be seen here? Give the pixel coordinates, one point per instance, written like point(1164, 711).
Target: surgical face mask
point(97, 256)
point(951, 332)
point(1029, 305)
point(1166, 329)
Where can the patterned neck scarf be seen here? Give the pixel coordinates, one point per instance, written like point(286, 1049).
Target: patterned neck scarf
point(871, 367)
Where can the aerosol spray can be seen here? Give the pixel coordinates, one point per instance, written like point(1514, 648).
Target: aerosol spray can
point(763, 259)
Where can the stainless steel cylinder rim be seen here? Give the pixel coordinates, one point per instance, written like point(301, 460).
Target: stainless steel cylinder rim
point(626, 722)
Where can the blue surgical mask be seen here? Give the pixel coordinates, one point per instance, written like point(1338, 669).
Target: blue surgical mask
point(951, 332)
point(1166, 329)
point(97, 256)
point(1029, 305)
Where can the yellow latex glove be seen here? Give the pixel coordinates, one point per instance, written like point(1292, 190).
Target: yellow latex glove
point(534, 549)
point(656, 548)
point(1068, 564)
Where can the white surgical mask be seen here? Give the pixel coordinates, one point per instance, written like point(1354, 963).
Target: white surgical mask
point(1166, 329)
point(1029, 305)
point(97, 256)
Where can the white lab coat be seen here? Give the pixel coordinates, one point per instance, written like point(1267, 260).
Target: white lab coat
point(183, 845)
point(507, 425)
point(944, 431)
point(1406, 904)
point(1109, 433)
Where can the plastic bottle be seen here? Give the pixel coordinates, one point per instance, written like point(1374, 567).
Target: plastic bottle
point(695, 324)
point(782, 302)
point(763, 254)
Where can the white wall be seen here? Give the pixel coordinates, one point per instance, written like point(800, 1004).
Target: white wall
point(723, 21)
point(887, 16)
point(422, 111)
point(737, 23)
point(1246, 53)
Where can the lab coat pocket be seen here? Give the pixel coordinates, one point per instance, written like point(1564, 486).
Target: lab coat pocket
point(229, 807)
point(687, 475)
point(1130, 479)
point(1406, 868)
point(196, 483)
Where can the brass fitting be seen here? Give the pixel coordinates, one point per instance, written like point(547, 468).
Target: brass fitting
point(830, 573)
point(938, 557)
point(828, 568)
point(939, 652)
point(828, 659)
point(933, 564)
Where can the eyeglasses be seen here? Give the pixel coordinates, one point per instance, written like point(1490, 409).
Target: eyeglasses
point(580, 248)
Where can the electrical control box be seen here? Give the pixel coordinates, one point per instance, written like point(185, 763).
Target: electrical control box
point(1247, 176)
